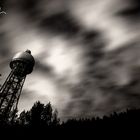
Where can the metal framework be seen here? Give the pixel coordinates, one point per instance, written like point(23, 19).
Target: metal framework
point(10, 93)
point(11, 89)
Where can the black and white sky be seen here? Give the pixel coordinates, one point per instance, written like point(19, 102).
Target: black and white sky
point(87, 53)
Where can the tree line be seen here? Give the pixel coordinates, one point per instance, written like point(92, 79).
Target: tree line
point(44, 116)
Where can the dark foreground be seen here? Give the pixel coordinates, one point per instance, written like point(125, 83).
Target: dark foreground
point(41, 120)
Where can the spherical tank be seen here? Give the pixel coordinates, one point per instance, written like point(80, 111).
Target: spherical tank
point(24, 58)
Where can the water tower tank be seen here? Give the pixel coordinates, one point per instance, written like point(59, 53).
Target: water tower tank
point(24, 60)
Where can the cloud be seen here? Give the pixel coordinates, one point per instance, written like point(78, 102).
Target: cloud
point(60, 23)
point(4, 51)
point(86, 52)
point(131, 12)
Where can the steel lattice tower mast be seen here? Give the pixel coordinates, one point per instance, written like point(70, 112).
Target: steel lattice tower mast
point(21, 65)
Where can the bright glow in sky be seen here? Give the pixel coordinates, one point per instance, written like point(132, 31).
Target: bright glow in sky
point(62, 55)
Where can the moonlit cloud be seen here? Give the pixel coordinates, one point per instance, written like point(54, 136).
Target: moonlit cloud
point(86, 52)
point(100, 15)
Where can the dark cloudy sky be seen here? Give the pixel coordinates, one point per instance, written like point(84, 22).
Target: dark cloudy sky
point(87, 53)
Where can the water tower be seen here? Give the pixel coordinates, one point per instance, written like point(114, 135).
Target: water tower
point(21, 65)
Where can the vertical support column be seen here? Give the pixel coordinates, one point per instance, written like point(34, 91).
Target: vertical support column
point(10, 93)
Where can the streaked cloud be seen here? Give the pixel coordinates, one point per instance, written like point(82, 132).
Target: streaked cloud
point(87, 53)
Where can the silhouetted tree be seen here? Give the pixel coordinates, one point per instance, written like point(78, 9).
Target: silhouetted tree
point(39, 115)
point(36, 114)
point(55, 119)
point(23, 118)
point(44, 116)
